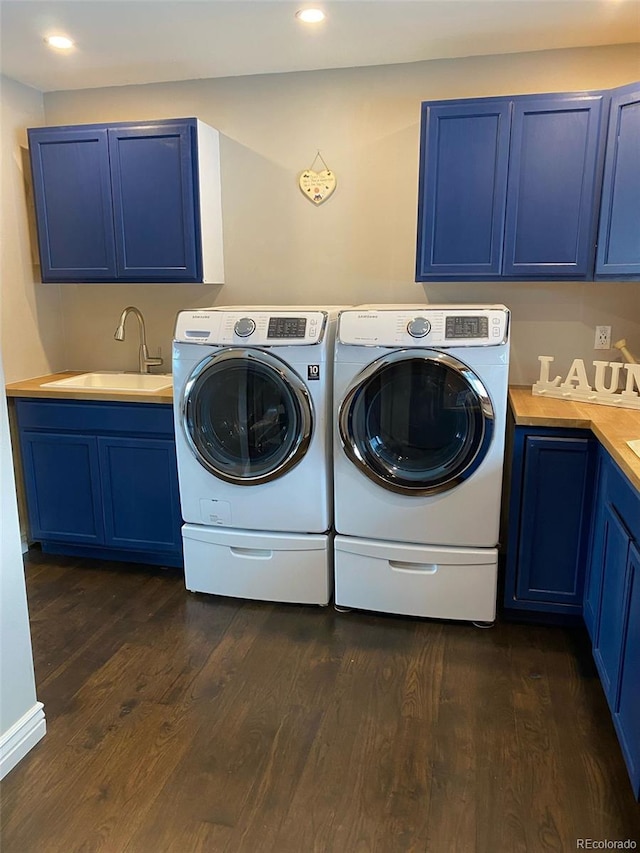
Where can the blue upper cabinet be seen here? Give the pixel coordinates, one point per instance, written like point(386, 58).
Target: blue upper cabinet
point(619, 234)
point(463, 179)
point(554, 168)
point(72, 195)
point(154, 207)
point(510, 187)
point(128, 202)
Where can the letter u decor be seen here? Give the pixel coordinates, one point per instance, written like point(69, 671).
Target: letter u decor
point(608, 378)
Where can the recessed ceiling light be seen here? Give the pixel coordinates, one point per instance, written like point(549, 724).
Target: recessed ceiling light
point(59, 42)
point(310, 16)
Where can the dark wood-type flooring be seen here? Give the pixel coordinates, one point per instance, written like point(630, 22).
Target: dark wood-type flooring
point(187, 723)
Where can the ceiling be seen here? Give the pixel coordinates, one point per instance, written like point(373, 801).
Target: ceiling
point(120, 42)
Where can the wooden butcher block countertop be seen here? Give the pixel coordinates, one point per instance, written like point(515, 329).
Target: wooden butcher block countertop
point(611, 425)
point(34, 388)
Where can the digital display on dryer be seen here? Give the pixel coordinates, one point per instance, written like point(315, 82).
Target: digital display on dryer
point(467, 327)
point(287, 327)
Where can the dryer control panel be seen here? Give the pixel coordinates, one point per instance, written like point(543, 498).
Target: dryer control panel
point(255, 328)
point(425, 325)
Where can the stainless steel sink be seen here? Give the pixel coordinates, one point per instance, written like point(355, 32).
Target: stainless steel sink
point(146, 383)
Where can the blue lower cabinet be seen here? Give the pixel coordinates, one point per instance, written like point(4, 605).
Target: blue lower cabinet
point(627, 715)
point(613, 605)
point(574, 546)
point(608, 642)
point(593, 579)
point(549, 514)
point(62, 480)
point(141, 493)
point(101, 479)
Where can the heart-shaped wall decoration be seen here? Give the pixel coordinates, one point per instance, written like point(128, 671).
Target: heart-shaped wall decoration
point(317, 186)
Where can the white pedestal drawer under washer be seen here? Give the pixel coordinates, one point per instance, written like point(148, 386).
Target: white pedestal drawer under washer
point(252, 403)
point(420, 401)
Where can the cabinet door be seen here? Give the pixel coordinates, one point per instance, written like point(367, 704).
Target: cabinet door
point(619, 234)
point(157, 232)
point(554, 167)
point(554, 516)
point(627, 718)
point(72, 197)
point(140, 493)
point(593, 582)
point(62, 477)
point(463, 173)
point(607, 648)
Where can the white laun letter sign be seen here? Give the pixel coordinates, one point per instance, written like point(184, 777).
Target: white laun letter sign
point(605, 383)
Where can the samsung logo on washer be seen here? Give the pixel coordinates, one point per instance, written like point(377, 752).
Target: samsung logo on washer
point(367, 316)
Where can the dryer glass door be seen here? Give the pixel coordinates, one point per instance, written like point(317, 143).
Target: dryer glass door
point(247, 416)
point(416, 422)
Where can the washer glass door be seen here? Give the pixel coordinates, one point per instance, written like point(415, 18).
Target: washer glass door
point(247, 416)
point(416, 422)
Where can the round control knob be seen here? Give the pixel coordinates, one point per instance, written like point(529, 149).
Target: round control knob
point(244, 327)
point(419, 327)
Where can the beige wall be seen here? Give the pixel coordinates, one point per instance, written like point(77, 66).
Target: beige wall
point(33, 340)
point(360, 245)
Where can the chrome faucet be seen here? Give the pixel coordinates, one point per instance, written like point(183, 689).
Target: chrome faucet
point(144, 362)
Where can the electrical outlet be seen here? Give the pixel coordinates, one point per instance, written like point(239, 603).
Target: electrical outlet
point(603, 337)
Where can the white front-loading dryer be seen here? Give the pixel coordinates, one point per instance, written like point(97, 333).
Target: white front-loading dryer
point(419, 417)
point(252, 404)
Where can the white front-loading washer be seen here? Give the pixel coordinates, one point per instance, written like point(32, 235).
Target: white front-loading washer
point(252, 404)
point(420, 402)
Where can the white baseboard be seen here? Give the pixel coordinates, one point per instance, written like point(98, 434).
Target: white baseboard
point(21, 737)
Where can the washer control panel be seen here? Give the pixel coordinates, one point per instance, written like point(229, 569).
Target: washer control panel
point(287, 327)
point(425, 325)
point(256, 328)
point(463, 327)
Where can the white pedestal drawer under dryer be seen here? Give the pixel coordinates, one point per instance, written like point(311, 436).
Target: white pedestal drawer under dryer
point(420, 402)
